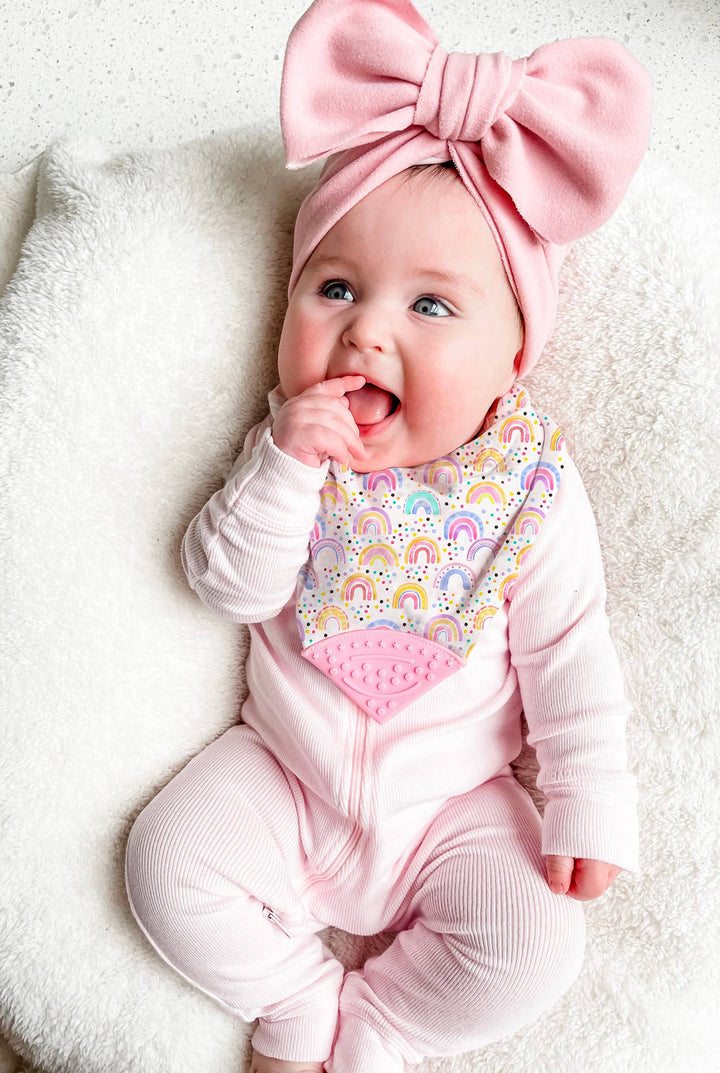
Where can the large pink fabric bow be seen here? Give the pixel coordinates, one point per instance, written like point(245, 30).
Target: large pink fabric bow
point(561, 132)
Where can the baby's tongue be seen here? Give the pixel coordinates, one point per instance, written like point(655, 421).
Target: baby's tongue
point(369, 404)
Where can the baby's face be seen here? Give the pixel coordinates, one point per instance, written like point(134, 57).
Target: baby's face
point(408, 289)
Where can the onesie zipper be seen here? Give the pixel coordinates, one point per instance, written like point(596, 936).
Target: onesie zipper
point(358, 762)
point(269, 912)
point(354, 802)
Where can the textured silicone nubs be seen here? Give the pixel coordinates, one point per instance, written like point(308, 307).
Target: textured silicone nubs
point(382, 670)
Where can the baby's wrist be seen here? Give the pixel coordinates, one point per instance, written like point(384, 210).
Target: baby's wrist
point(300, 456)
point(306, 458)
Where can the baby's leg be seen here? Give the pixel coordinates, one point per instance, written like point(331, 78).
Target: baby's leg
point(487, 946)
point(215, 847)
point(261, 1064)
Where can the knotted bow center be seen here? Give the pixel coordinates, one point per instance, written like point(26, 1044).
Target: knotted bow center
point(463, 94)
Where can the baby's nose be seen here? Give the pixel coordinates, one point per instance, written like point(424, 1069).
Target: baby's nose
point(368, 331)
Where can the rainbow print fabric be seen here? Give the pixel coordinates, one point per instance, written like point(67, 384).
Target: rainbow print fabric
point(432, 551)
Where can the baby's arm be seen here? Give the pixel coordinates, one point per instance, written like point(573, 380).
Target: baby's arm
point(242, 552)
point(573, 698)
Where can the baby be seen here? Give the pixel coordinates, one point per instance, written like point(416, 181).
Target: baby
point(412, 548)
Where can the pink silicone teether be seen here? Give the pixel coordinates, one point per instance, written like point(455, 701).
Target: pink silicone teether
point(382, 670)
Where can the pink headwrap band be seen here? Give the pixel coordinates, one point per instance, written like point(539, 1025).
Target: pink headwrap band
point(546, 145)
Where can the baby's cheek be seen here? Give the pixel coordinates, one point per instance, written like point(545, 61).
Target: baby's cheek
point(301, 357)
point(437, 404)
point(427, 413)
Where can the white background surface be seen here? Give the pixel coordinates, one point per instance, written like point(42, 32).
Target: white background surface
point(136, 73)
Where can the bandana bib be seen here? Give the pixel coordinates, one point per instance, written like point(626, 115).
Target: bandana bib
point(407, 566)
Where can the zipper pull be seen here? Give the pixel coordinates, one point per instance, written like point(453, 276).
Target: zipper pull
point(268, 912)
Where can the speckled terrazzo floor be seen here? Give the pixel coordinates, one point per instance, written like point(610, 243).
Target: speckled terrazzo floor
point(155, 72)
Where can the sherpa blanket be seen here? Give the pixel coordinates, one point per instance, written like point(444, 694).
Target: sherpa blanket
point(143, 298)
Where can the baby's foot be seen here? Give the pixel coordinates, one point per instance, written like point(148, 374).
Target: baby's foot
point(261, 1064)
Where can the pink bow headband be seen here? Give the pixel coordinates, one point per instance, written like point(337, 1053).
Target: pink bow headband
point(546, 145)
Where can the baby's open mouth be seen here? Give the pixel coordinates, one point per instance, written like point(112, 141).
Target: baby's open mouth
point(371, 404)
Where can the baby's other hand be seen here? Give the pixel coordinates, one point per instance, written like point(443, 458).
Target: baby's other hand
point(579, 877)
point(317, 423)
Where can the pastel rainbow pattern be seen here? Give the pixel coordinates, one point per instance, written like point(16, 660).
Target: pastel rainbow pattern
point(490, 460)
point(517, 428)
point(444, 629)
point(489, 490)
point(444, 471)
point(529, 521)
point(334, 549)
point(434, 550)
point(391, 479)
point(333, 492)
point(378, 553)
point(463, 523)
point(330, 615)
point(422, 549)
point(446, 574)
point(411, 595)
point(422, 501)
point(372, 522)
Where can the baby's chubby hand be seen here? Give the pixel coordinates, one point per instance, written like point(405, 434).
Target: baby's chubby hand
point(317, 423)
point(579, 877)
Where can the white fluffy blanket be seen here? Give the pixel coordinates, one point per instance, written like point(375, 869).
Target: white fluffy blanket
point(138, 329)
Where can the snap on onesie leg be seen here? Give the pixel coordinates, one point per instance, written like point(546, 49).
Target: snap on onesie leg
point(362, 1050)
point(219, 838)
point(483, 948)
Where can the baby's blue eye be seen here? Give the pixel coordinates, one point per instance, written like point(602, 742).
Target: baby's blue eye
point(336, 291)
point(431, 307)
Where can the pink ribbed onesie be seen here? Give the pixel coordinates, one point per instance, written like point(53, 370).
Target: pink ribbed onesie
point(328, 808)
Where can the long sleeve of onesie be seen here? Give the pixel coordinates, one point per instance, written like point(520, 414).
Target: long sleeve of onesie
point(571, 687)
point(242, 552)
